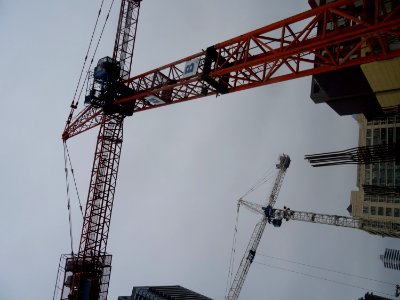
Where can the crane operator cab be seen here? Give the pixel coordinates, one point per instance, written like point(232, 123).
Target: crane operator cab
point(269, 213)
point(105, 86)
point(284, 162)
point(277, 222)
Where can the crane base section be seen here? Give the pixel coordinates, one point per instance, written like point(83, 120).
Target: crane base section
point(83, 279)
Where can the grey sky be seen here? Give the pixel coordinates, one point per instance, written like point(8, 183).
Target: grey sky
point(183, 167)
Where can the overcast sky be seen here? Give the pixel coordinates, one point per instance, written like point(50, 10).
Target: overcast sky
point(182, 168)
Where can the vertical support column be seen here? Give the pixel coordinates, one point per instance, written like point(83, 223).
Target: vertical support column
point(126, 35)
point(102, 189)
point(87, 273)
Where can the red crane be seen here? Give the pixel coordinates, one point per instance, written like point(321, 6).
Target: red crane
point(326, 38)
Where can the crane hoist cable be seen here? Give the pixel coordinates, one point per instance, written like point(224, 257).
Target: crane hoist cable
point(265, 178)
point(326, 269)
point(233, 252)
point(68, 197)
point(95, 50)
point(322, 278)
point(74, 104)
point(86, 56)
point(67, 159)
point(74, 179)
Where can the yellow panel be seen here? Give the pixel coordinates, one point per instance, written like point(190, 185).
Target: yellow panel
point(383, 75)
point(389, 98)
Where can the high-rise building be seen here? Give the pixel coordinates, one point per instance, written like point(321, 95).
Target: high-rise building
point(171, 292)
point(377, 198)
point(391, 259)
point(372, 89)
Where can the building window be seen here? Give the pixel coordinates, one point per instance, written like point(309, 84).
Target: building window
point(382, 198)
point(388, 211)
point(382, 173)
point(368, 137)
point(389, 199)
point(367, 197)
point(373, 210)
point(396, 199)
point(365, 210)
point(383, 136)
point(367, 177)
point(376, 136)
point(380, 211)
point(374, 198)
point(396, 212)
point(390, 135)
point(375, 174)
point(397, 175)
point(390, 172)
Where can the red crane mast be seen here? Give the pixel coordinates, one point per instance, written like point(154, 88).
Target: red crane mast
point(87, 273)
point(326, 38)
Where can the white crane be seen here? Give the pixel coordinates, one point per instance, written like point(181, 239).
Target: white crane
point(234, 291)
point(276, 216)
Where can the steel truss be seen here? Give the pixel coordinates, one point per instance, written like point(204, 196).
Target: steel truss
point(357, 155)
point(247, 259)
point(383, 228)
point(327, 38)
point(126, 35)
point(92, 265)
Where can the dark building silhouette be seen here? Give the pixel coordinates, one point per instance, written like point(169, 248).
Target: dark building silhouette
point(371, 296)
point(171, 292)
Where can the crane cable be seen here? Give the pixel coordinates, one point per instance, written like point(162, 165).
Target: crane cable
point(86, 56)
point(74, 179)
point(265, 177)
point(95, 50)
point(75, 100)
point(326, 269)
point(321, 278)
point(68, 197)
point(233, 252)
point(67, 158)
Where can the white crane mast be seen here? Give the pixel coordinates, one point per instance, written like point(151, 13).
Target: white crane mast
point(234, 291)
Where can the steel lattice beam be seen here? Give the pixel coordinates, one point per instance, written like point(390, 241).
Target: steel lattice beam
point(383, 228)
point(326, 38)
point(357, 155)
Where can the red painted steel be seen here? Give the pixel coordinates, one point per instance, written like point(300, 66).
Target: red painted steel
point(326, 38)
point(126, 35)
point(89, 273)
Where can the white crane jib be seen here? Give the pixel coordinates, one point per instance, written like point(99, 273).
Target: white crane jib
point(234, 291)
point(276, 215)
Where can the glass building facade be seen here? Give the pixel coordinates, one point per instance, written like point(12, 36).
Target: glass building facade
point(382, 201)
